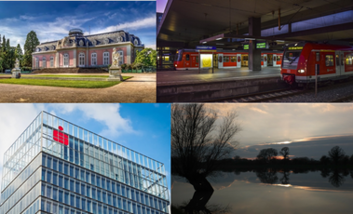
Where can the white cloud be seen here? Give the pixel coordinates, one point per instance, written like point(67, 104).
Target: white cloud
point(135, 25)
point(107, 114)
point(153, 46)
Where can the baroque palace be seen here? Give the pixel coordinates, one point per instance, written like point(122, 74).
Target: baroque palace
point(79, 50)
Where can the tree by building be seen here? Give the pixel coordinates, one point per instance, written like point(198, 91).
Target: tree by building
point(267, 154)
point(336, 154)
point(284, 152)
point(31, 43)
point(147, 57)
point(200, 138)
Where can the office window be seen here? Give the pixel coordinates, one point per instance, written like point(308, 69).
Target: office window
point(66, 169)
point(49, 176)
point(55, 176)
point(61, 181)
point(61, 196)
point(60, 167)
point(55, 192)
point(55, 162)
point(83, 188)
point(66, 183)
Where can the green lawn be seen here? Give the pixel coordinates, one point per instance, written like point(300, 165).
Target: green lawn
point(70, 76)
point(62, 83)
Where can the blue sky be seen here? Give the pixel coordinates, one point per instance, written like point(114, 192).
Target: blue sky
point(53, 20)
point(144, 128)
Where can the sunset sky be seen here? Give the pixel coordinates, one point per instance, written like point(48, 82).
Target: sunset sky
point(308, 130)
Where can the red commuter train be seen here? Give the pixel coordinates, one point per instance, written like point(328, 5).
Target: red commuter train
point(188, 59)
point(298, 64)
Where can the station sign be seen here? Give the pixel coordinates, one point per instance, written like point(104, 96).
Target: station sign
point(246, 47)
point(261, 45)
point(295, 48)
point(206, 48)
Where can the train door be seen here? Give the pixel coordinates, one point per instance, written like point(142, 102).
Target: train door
point(187, 61)
point(215, 60)
point(270, 60)
point(265, 60)
point(339, 63)
point(219, 58)
point(238, 60)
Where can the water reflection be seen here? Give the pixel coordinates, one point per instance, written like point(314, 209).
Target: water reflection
point(252, 191)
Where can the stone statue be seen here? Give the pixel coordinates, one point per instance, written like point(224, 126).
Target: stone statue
point(17, 64)
point(16, 71)
point(115, 69)
point(115, 58)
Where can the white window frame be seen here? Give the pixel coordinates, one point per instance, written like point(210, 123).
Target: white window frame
point(66, 60)
point(44, 62)
point(93, 56)
point(122, 57)
point(81, 59)
point(106, 58)
point(51, 62)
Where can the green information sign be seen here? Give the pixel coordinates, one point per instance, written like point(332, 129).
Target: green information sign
point(261, 45)
point(246, 47)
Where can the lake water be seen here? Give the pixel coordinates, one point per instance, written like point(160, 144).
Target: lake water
point(250, 192)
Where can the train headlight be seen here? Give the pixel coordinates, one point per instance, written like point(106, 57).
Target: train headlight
point(301, 71)
point(176, 65)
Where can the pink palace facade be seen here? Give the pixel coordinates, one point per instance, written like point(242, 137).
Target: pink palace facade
point(78, 50)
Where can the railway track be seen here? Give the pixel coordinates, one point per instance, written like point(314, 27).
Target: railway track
point(344, 99)
point(267, 96)
point(281, 95)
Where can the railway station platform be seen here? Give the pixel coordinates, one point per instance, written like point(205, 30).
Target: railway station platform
point(192, 86)
point(193, 76)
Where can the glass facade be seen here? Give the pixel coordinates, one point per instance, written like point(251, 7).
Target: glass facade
point(58, 167)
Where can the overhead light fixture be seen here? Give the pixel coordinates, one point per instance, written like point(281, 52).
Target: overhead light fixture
point(219, 38)
point(296, 44)
point(250, 38)
point(204, 42)
point(279, 40)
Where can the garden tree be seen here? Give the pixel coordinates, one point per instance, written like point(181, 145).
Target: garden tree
point(284, 152)
point(336, 154)
point(200, 138)
point(267, 154)
point(147, 57)
point(31, 43)
point(325, 160)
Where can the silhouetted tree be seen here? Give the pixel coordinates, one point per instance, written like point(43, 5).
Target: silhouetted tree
point(336, 179)
point(284, 152)
point(267, 154)
point(198, 143)
point(267, 176)
point(336, 154)
point(325, 160)
point(351, 160)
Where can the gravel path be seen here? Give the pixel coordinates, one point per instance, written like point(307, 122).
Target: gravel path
point(139, 89)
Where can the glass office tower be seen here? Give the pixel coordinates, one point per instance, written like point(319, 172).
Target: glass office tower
point(58, 167)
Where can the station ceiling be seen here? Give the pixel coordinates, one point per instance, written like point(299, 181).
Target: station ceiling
point(189, 21)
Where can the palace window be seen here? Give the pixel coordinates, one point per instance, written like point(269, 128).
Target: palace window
point(93, 59)
point(51, 62)
point(44, 62)
point(66, 59)
point(105, 58)
point(37, 63)
point(81, 59)
point(121, 60)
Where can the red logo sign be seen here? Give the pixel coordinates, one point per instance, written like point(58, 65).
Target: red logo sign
point(61, 137)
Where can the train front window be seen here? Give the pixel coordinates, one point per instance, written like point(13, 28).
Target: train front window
point(179, 56)
point(291, 59)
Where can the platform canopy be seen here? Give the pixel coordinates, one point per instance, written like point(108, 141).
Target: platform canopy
point(194, 21)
